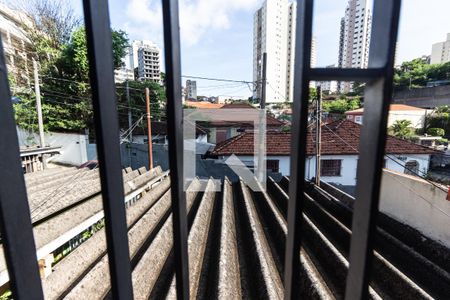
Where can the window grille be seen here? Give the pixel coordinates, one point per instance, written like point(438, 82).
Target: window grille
point(15, 219)
point(330, 167)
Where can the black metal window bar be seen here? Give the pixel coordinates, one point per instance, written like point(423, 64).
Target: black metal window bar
point(20, 253)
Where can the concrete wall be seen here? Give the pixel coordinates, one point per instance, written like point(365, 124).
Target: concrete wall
point(73, 145)
point(136, 155)
point(424, 97)
point(417, 203)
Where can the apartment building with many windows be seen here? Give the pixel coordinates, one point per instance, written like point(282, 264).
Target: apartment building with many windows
point(274, 34)
point(354, 37)
point(15, 42)
point(440, 52)
point(149, 63)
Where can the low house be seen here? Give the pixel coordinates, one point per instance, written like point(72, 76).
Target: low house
point(396, 112)
point(339, 154)
point(220, 131)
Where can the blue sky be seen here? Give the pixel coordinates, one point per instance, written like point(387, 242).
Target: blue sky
point(216, 35)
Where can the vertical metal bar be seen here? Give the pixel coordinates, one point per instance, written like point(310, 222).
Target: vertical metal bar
point(298, 146)
point(149, 129)
point(15, 219)
point(372, 143)
point(175, 135)
point(318, 133)
point(262, 102)
point(101, 72)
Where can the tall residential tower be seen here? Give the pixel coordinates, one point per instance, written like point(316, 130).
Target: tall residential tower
point(354, 38)
point(274, 33)
point(440, 52)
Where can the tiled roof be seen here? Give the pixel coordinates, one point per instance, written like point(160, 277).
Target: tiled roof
point(236, 105)
point(270, 121)
point(203, 104)
point(392, 107)
point(338, 138)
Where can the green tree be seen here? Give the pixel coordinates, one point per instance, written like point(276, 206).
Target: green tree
point(66, 94)
point(417, 73)
point(440, 118)
point(436, 131)
point(402, 129)
point(340, 106)
point(137, 100)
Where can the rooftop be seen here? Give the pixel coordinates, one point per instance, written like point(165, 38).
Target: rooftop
point(392, 107)
point(203, 104)
point(235, 243)
point(338, 138)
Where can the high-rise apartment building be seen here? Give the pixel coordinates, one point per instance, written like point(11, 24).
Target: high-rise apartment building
point(145, 60)
point(191, 90)
point(15, 43)
point(354, 37)
point(440, 52)
point(274, 33)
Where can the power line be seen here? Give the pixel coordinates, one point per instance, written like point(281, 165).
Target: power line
point(217, 79)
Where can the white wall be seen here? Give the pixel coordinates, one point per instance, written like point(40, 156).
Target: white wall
point(349, 166)
point(73, 145)
point(416, 117)
point(417, 203)
point(397, 162)
point(348, 169)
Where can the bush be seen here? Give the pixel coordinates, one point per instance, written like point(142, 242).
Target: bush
point(442, 142)
point(436, 131)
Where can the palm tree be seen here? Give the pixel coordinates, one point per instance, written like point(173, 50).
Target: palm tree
point(401, 129)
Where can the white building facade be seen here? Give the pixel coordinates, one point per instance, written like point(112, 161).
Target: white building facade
point(274, 30)
point(144, 58)
point(15, 43)
point(440, 52)
point(191, 90)
point(354, 40)
point(123, 74)
point(341, 169)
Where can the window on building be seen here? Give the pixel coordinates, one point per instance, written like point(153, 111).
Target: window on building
point(411, 167)
point(330, 167)
point(273, 165)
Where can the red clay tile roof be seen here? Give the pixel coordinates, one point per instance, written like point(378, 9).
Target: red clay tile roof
point(338, 138)
point(203, 104)
point(270, 121)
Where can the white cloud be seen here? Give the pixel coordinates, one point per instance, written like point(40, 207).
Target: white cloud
point(196, 17)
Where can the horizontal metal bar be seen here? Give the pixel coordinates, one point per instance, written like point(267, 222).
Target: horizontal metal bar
point(101, 72)
point(15, 219)
point(328, 74)
point(175, 134)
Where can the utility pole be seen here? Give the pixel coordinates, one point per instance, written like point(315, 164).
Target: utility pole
point(37, 91)
point(261, 130)
point(318, 132)
point(149, 129)
point(130, 117)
